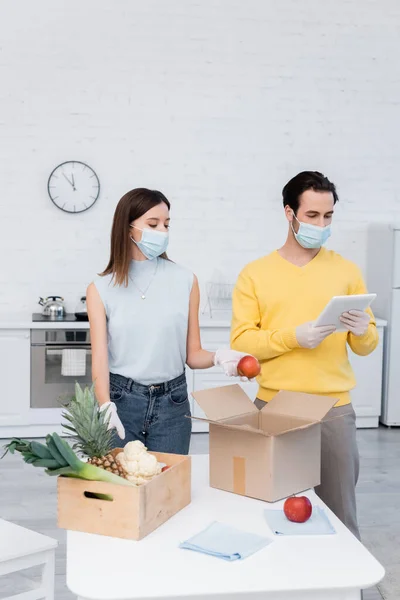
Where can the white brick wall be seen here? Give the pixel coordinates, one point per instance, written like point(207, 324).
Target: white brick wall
point(215, 102)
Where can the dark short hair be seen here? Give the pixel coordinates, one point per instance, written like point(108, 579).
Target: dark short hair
point(306, 180)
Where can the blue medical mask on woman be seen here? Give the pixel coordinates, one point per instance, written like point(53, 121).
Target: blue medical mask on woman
point(153, 242)
point(311, 236)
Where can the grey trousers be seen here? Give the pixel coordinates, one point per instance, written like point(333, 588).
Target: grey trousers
point(339, 464)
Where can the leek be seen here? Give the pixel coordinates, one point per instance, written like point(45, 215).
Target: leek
point(58, 458)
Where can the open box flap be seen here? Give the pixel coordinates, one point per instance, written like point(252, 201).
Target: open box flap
point(298, 404)
point(224, 402)
point(247, 428)
point(250, 429)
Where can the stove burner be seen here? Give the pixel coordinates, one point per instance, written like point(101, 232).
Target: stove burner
point(69, 317)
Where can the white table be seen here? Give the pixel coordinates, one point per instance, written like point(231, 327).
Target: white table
point(334, 567)
point(22, 548)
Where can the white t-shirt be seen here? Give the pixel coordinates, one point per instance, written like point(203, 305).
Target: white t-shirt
point(147, 337)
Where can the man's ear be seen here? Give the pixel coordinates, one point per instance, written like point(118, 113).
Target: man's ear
point(289, 213)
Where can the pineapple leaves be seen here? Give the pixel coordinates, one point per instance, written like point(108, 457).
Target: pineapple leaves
point(88, 426)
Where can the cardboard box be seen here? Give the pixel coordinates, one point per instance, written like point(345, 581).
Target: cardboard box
point(133, 512)
point(268, 454)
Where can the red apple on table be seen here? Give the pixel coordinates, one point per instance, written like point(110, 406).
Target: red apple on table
point(248, 366)
point(297, 509)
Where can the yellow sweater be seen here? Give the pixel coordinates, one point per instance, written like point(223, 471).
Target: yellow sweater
point(271, 298)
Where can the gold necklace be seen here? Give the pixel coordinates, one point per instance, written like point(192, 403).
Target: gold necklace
point(144, 292)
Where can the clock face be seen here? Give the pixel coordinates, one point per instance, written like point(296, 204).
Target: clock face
point(73, 186)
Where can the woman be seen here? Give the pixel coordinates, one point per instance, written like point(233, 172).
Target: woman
point(144, 326)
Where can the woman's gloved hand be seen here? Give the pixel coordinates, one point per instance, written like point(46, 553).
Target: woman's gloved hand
point(228, 360)
point(114, 422)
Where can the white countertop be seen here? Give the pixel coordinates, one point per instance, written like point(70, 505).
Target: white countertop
point(24, 321)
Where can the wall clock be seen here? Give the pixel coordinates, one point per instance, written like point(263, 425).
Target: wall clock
point(73, 186)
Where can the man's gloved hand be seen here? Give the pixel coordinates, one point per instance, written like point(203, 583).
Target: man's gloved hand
point(309, 336)
point(114, 422)
point(356, 321)
point(228, 360)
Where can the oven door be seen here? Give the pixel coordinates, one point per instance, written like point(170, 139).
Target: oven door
point(49, 387)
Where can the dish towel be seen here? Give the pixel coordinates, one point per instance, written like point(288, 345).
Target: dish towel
point(225, 542)
point(73, 362)
point(317, 524)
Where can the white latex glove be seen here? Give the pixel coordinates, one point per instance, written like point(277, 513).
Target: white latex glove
point(228, 360)
point(309, 336)
point(356, 321)
point(114, 422)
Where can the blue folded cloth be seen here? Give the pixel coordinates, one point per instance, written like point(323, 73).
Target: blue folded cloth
point(225, 542)
point(317, 524)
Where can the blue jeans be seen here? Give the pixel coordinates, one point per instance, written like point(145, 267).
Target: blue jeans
point(157, 415)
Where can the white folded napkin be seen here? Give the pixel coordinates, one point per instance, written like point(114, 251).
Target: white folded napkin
point(73, 362)
point(317, 524)
point(226, 542)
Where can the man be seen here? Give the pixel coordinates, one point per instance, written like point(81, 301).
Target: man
point(276, 300)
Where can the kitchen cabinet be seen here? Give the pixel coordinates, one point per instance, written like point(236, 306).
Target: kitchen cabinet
point(18, 419)
point(15, 378)
point(366, 397)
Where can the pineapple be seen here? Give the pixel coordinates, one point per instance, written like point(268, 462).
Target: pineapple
point(89, 429)
point(108, 463)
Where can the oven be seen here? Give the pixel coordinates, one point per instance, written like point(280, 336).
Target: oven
point(50, 388)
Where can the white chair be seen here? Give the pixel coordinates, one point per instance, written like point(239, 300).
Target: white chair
point(22, 548)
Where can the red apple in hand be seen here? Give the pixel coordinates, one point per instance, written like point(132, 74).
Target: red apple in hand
point(248, 366)
point(297, 509)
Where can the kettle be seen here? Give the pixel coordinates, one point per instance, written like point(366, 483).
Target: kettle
point(81, 310)
point(53, 307)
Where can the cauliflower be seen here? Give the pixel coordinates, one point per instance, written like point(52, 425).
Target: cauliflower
point(130, 466)
point(133, 449)
point(148, 465)
point(140, 465)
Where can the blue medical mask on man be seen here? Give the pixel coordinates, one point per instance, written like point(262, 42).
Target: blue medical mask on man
point(153, 242)
point(311, 236)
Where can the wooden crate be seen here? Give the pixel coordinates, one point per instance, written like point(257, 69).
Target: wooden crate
point(133, 512)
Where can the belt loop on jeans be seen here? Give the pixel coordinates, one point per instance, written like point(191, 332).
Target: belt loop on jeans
point(129, 384)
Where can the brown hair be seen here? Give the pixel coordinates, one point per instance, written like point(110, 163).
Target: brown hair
point(132, 206)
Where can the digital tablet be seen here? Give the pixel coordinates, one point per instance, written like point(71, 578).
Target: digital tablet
point(340, 304)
